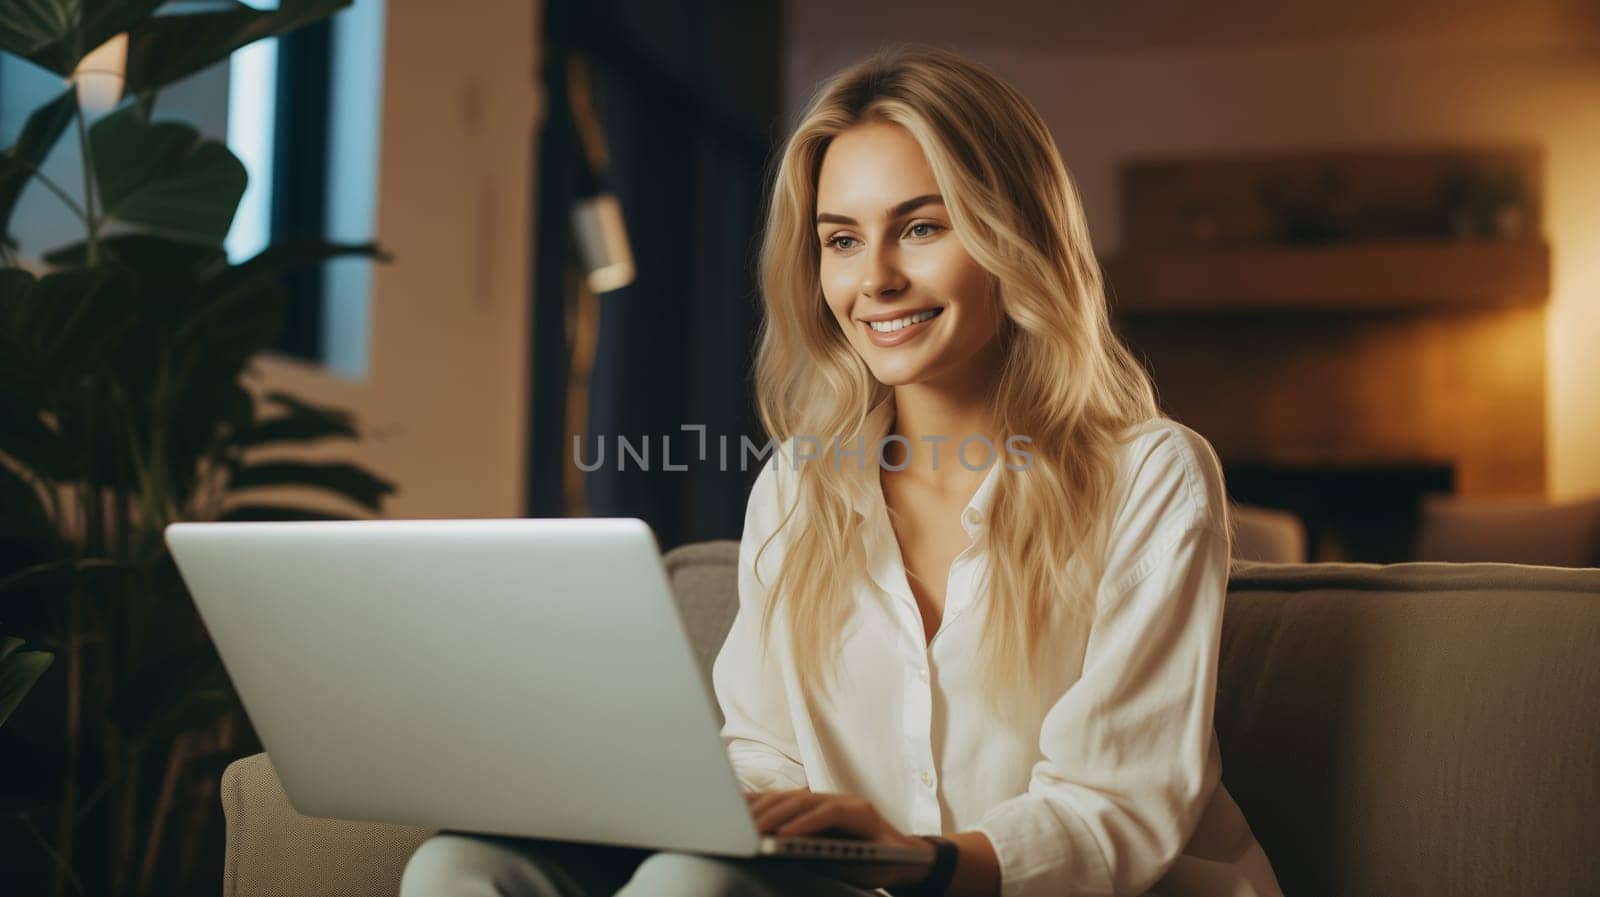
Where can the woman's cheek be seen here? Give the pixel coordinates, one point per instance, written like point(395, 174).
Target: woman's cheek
point(836, 292)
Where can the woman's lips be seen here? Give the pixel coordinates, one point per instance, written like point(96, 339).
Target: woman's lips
point(896, 337)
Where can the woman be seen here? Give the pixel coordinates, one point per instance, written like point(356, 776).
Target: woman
point(981, 579)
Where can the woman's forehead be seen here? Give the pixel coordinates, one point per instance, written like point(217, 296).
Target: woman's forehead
point(870, 168)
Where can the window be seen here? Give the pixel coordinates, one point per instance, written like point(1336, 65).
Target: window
point(302, 113)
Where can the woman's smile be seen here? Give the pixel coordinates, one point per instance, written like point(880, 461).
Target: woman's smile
point(894, 331)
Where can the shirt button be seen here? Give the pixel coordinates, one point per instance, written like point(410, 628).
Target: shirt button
point(927, 780)
point(922, 676)
point(972, 517)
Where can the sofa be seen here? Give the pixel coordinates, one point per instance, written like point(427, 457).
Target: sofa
point(1424, 729)
point(1519, 529)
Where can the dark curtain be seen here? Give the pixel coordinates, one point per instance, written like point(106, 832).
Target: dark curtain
point(687, 97)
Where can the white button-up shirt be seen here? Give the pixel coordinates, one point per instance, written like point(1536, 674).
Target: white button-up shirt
point(1112, 788)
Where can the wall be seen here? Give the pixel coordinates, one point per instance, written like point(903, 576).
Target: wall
point(444, 404)
point(1536, 81)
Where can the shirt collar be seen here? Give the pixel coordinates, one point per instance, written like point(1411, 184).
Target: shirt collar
point(973, 517)
point(884, 564)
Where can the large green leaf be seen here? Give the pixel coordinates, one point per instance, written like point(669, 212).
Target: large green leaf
point(23, 433)
point(238, 312)
point(151, 373)
point(161, 264)
point(18, 671)
point(275, 513)
point(283, 256)
point(209, 407)
point(286, 429)
point(73, 314)
point(300, 422)
point(169, 274)
point(62, 325)
point(163, 49)
point(241, 286)
point(19, 163)
point(57, 34)
point(352, 482)
point(59, 336)
point(164, 177)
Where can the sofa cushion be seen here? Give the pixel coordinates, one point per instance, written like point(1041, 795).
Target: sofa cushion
point(706, 583)
point(1514, 529)
point(273, 851)
point(1419, 729)
point(1425, 729)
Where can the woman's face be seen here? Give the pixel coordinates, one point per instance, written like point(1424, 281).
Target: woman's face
point(911, 300)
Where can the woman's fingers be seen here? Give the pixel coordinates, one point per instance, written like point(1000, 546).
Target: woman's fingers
point(759, 800)
point(839, 814)
point(783, 808)
point(802, 812)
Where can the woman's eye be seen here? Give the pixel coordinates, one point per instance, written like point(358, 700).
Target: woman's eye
point(923, 229)
point(838, 241)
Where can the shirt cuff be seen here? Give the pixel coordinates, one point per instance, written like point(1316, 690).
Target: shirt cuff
point(1043, 853)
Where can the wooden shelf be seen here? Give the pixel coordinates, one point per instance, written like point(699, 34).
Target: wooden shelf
point(1411, 275)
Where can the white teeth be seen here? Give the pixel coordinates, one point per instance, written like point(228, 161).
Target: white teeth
point(898, 323)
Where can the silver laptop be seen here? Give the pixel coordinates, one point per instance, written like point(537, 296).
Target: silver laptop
point(514, 677)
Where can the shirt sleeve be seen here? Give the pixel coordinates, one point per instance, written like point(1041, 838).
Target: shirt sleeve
point(757, 731)
point(1129, 761)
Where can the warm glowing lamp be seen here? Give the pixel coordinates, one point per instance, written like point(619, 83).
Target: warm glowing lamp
point(602, 242)
point(99, 76)
point(597, 223)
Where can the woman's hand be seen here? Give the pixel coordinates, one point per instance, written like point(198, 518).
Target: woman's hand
point(805, 813)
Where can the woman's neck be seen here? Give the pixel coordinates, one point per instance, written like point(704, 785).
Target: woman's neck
point(934, 419)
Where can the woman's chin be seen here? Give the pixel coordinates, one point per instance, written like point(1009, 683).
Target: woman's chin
point(893, 375)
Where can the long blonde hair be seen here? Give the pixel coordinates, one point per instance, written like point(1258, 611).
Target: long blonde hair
point(1066, 380)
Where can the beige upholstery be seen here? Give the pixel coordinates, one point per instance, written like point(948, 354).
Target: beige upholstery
point(1268, 535)
point(1417, 729)
point(1510, 529)
point(273, 851)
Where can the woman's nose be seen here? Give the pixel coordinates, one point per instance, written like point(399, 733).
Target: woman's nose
point(882, 275)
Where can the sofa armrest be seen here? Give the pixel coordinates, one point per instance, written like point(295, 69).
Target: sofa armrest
point(273, 851)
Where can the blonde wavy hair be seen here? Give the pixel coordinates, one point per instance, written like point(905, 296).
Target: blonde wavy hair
point(1066, 381)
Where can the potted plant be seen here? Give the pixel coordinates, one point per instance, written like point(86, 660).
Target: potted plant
point(19, 670)
point(125, 408)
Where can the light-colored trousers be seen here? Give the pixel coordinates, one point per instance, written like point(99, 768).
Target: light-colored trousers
point(452, 864)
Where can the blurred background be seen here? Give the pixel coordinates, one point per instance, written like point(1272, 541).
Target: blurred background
point(1356, 244)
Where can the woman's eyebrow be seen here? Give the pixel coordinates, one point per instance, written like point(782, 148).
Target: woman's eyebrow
point(903, 208)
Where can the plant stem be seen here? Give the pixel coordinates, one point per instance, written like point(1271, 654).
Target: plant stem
point(62, 866)
point(69, 789)
point(90, 218)
point(99, 793)
point(57, 189)
point(94, 530)
point(120, 535)
point(189, 846)
point(127, 811)
point(176, 758)
point(160, 493)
